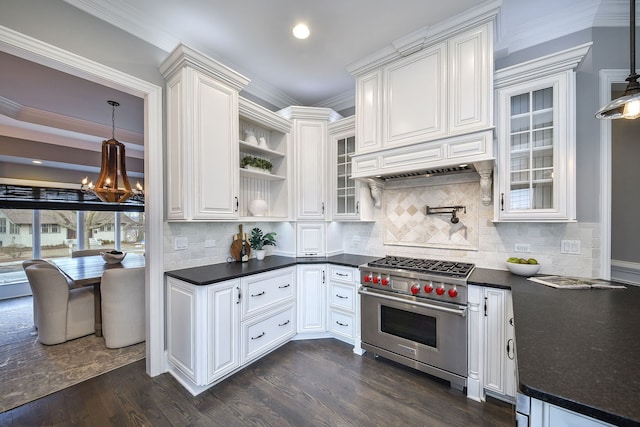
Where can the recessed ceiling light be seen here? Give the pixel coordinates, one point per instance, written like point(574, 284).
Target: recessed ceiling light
point(37, 162)
point(301, 31)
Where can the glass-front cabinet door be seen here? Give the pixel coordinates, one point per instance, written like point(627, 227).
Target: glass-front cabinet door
point(535, 170)
point(531, 151)
point(345, 186)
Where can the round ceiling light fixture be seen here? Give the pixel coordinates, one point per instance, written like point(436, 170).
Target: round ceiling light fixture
point(301, 31)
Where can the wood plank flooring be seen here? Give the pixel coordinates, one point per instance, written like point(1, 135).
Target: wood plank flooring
point(303, 383)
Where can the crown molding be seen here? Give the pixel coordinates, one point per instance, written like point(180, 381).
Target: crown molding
point(32, 115)
point(121, 15)
point(340, 102)
point(309, 113)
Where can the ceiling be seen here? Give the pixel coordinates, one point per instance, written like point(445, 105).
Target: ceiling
point(254, 38)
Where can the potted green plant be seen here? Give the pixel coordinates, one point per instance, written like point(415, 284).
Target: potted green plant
point(249, 162)
point(258, 241)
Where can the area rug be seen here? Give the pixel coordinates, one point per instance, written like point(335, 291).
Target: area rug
point(30, 370)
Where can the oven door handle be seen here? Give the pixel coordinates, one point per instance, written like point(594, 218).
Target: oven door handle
point(460, 312)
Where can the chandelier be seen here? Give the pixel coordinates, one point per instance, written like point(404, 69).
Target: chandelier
point(107, 188)
point(628, 105)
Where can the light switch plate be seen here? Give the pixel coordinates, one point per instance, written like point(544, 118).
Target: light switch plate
point(180, 243)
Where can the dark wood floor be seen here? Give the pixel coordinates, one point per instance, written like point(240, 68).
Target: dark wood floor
point(304, 383)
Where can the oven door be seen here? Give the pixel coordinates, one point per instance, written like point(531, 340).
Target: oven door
point(430, 336)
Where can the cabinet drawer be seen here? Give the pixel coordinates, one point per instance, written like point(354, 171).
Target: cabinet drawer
point(262, 291)
point(341, 274)
point(342, 324)
point(266, 332)
point(342, 296)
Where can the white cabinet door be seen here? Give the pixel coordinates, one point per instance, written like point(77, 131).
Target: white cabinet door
point(499, 367)
point(202, 137)
point(311, 149)
point(264, 291)
point(350, 199)
point(310, 239)
point(415, 98)
point(223, 344)
point(369, 112)
point(312, 297)
point(215, 153)
point(268, 331)
point(181, 327)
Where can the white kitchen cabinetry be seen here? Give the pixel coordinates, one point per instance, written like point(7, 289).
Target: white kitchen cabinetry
point(268, 311)
point(202, 137)
point(536, 176)
point(311, 239)
point(275, 188)
point(312, 299)
point(350, 199)
point(203, 332)
point(499, 356)
point(443, 90)
point(536, 413)
point(310, 147)
point(344, 310)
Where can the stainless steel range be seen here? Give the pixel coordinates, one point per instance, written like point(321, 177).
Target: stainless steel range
point(414, 312)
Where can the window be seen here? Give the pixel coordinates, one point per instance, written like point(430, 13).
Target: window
point(3, 225)
point(14, 228)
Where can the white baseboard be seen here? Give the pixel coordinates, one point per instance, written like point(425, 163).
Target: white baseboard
point(625, 272)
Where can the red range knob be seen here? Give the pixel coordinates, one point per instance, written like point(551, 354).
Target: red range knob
point(367, 278)
point(385, 281)
point(453, 292)
point(440, 290)
point(415, 289)
point(376, 279)
point(428, 288)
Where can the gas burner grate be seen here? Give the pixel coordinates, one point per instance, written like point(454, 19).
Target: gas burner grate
point(448, 268)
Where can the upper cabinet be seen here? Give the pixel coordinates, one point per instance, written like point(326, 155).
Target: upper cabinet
point(537, 138)
point(265, 194)
point(444, 89)
point(202, 137)
point(310, 148)
point(350, 199)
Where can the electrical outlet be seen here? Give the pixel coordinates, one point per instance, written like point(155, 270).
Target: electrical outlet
point(572, 247)
point(209, 243)
point(522, 247)
point(356, 238)
point(180, 243)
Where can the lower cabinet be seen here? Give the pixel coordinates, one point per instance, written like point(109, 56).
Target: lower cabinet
point(500, 353)
point(312, 299)
point(214, 330)
point(536, 413)
point(202, 332)
point(344, 308)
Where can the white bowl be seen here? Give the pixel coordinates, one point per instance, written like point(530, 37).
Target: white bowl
point(110, 258)
point(523, 269)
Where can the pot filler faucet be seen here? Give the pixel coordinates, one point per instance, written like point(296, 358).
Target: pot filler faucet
point(446, 210)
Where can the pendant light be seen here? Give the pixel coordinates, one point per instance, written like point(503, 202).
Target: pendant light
point(628, 105)
point(112, 167)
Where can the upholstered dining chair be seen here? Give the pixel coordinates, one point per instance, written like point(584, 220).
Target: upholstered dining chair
point(27, 263)
point(89, 252)
point(63, 313)
point(123, 300)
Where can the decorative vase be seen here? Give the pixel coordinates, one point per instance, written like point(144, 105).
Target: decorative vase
point(260, 253)
point(250, 137)
point(262, 143)
point(258, 207)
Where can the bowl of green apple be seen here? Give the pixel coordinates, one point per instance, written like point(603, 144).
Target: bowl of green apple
point(523, 266)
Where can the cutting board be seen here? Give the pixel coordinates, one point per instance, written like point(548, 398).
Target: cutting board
point(236, 245)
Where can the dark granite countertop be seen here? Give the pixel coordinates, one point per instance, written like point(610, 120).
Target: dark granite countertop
point(576, 348)
point(214, 273)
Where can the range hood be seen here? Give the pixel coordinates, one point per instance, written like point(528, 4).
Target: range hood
point(464, 153)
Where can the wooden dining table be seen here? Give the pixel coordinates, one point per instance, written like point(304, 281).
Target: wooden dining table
point(87, 271)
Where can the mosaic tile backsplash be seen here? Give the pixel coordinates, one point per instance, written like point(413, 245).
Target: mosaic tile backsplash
point(407, 224)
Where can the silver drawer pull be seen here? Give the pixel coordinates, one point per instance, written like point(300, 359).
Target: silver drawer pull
point(285, 286)
point(340, 296)
point(341, 324)
point(285, 323)
point(341, 274)
point(257, 295)
point(259, 336)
